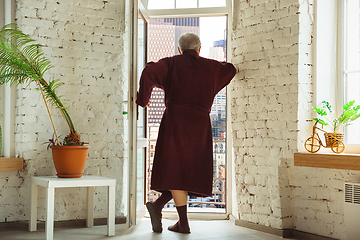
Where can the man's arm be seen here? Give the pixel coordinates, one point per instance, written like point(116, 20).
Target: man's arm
point(227, 73)
point(153, 75)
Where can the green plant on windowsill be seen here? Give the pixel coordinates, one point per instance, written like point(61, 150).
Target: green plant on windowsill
point(350, 113)
point(333, 140)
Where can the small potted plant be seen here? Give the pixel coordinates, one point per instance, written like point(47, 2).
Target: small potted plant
point(350, 114)
point(334, 138)
point(23, 62)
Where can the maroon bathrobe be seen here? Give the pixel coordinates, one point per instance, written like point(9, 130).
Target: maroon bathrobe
point(184, 153)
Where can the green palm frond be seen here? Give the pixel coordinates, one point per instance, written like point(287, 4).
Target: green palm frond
point(23, 62)
point(20, 59)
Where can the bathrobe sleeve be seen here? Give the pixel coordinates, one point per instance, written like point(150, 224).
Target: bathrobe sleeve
point(153, 75)
point(227, 72)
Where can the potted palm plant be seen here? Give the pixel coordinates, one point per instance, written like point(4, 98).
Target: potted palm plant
point(23, 62)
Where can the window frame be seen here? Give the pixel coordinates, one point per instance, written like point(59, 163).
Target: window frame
point(145, 2)
point(329, 74)
point(231, 206)
point(343, 71)
point(7, 93)
point(189, 12)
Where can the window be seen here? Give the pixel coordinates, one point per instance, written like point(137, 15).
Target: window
point(177, 4)
point(167, 20)
point(351, 64)
point(186, 4)
point(337, 60)
point(161, 4)
point(212, 3)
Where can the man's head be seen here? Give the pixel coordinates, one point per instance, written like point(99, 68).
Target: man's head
point(189, 41)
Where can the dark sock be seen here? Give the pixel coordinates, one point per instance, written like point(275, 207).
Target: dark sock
point(162, 200)
point(183, 223)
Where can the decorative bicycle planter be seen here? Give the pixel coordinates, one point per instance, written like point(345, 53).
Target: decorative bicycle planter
point(332, 140)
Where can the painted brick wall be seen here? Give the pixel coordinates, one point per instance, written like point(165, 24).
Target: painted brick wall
point(84, 40)
point(264, 108)
point(317, 194)
point(271, 118)
point(271, 112)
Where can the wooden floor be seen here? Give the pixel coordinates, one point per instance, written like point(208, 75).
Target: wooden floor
point(212, 229)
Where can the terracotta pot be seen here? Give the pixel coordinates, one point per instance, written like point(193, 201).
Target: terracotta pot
point(69, 161)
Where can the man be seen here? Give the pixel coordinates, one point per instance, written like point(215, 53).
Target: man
point(183, 161)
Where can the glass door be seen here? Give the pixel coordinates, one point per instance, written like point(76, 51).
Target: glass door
point(212, 20)
point(141, 121)
point(139, 116)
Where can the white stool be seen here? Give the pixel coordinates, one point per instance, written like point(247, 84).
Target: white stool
point(52, 182)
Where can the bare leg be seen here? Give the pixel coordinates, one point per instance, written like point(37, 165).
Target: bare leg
point(180, 199)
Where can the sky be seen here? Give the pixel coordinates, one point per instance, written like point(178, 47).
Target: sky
point(211, 29)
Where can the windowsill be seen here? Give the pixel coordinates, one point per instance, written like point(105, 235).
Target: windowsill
point(7, 164)
point(345, 161)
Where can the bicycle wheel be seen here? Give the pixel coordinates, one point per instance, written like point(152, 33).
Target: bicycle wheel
point(338, 147)
point(312, 145)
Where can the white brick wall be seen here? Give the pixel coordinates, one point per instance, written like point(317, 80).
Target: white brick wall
point(264, 103)
point(271, 111)
point(317, 194)
point(271, 118)
point(85, 42)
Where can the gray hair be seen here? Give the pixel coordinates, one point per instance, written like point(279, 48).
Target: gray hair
point(189, 41)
